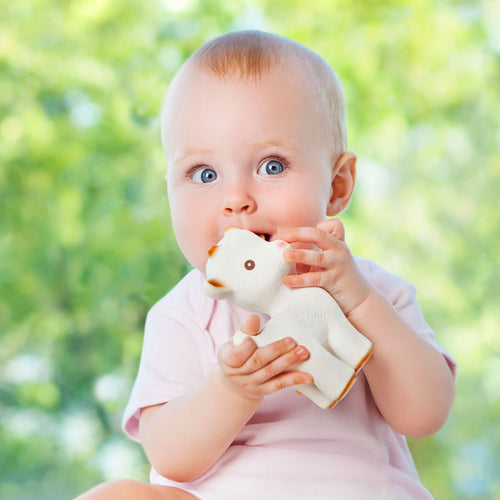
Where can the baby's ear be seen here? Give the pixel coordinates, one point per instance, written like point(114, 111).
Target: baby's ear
point(343, 180)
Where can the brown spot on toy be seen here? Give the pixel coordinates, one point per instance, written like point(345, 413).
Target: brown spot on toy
point(212, 250)
point(344, 392)
point(215, 283)
point(364, 360)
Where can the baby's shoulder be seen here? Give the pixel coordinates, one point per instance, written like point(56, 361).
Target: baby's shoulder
point(371, 271)
point(388, 283)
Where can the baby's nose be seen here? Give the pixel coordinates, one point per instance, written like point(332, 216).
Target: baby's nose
point(238, 201)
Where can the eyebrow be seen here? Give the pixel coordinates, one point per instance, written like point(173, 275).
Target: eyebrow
point(187, 153)
point(274, 143)
point(267, 143)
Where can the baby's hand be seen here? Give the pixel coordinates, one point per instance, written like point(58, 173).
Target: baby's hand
point(255, 372)
point(330, 265)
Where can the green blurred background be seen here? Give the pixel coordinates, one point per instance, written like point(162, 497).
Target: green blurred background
point(86, 246)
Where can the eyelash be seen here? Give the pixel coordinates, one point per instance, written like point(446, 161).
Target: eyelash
point(191, 171)
point(286, 164)
point(284, 161)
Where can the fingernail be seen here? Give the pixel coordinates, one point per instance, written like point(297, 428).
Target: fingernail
point(289, 341)
point(302, 353)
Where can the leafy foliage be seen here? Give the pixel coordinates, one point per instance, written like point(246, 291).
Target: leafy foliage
point(86, 246)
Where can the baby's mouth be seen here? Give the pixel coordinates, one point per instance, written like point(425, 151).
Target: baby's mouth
point(264, 236)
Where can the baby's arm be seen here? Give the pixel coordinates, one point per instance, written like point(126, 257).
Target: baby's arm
point(410, 381)
point(185, 437)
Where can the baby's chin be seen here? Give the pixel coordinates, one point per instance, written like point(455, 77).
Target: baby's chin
point(198, 263)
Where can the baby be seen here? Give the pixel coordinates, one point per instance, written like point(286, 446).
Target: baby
point(254, 137)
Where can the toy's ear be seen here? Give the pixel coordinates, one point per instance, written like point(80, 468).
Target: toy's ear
point(343, 180)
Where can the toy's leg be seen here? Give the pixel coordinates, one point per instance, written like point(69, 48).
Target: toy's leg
point(347, 343)
point(332, 377)
point(314, 394)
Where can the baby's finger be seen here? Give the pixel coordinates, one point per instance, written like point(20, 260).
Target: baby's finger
point(281, 364)
point(310, 235)
point(235, 356)
point(298, 234)
point(252, 325)
point(315, 258)
point(284, 380)
point(304, 280)
point(264, 355)
point(333, 227)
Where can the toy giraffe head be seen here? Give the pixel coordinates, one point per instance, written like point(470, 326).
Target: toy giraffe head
point(246, 269)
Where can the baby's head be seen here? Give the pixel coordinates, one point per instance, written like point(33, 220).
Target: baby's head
point(254, 137)
point(250, 55)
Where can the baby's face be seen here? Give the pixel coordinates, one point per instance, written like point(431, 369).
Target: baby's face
point(244, 153)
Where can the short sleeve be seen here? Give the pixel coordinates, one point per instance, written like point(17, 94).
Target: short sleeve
point(170, 364)
point(403, 296)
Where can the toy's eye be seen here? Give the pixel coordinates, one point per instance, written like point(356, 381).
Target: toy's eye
point(271, 167)
point(249, 265)
point(204, 175)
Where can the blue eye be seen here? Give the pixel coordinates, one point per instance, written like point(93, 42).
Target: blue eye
point(271, 167)
point(204, 175)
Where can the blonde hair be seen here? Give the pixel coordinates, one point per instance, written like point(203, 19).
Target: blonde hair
point(250, 54)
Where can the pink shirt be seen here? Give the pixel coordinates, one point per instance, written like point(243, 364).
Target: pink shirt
point(290, 449)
